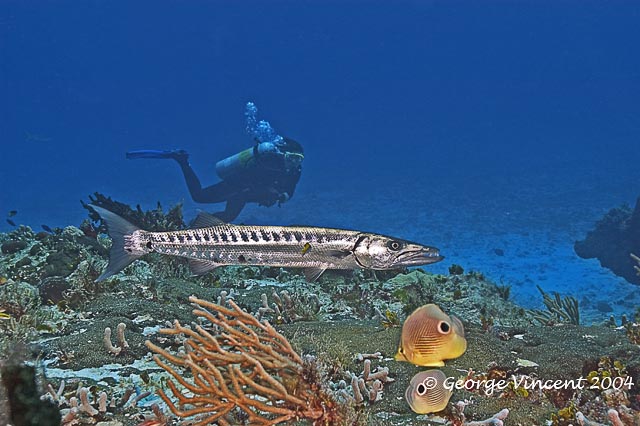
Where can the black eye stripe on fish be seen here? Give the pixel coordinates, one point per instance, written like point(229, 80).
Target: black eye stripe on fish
point(276, 246)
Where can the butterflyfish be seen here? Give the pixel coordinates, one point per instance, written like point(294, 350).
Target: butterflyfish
point(429, 336)
point(427, 392)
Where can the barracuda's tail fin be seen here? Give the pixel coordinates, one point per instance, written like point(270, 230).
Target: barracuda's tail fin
point(118, 228)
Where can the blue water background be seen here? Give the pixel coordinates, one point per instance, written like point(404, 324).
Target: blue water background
point(472, 126)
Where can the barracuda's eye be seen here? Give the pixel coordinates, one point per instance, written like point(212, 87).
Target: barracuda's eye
point(394, 245)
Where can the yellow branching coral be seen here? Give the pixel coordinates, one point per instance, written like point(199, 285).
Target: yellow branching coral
point(241, 370)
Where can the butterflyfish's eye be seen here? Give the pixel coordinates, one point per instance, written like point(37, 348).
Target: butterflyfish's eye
point(444, 327)
point(421, 389)
point(394, 245)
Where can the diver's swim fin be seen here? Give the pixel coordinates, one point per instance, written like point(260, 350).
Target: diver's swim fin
point(154, 153)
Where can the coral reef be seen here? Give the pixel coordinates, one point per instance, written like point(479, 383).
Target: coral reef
point(150, 220)
point(614, 237)
point(367, 384)
point(49, 300)
point(559, 310)
point(243, 370)
point(23, 399)
point(92, 406)
point(123, 345)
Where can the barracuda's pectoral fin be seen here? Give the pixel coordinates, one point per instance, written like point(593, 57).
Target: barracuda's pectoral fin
point(205, 220)
point(201, 267)
point(312, 274)
point(339, 254)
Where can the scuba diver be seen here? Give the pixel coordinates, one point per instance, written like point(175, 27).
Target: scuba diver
point(266, 173)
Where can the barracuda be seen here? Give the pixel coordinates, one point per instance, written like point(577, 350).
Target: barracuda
point(212, 243)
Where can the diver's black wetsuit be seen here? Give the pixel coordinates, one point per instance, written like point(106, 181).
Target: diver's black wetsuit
point(265, 174)
point(262, 185)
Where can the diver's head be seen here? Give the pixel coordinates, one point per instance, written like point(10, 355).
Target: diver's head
point(293, 154)
point(289, 145)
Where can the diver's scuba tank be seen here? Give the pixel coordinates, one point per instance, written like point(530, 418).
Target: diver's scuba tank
point(242, 162)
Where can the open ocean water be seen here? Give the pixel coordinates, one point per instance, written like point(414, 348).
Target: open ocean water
point(497, 131)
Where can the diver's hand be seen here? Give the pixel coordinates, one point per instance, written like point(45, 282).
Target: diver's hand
point(270, 197)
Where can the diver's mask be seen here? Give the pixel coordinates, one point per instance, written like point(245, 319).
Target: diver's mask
point(292, 161)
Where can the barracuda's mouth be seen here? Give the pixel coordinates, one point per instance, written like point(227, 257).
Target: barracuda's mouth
point(422, 256)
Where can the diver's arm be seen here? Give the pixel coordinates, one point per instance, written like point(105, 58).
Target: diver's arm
point(289, 183)
point(216, 193)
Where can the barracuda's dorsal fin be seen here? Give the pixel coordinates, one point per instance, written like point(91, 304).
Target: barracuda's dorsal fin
point(201, 267)
point(205, 220)
point(312, 274)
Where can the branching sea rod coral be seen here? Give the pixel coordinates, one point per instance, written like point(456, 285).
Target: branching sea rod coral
point(242, 372)
point(559, 310)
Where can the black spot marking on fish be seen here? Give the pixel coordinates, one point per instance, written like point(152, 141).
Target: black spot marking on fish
point(225, 237)
point(308, 237)
point(215, 237)
point(197, 237)
point(234, 237)
point(206, 236)
point(265, 235)
point(298, 235)
point(254, 236)
point(242, 259)
point(181, 238)
point(275, 236)
point(287, 236)
point(189, 237)
point(244, 236)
